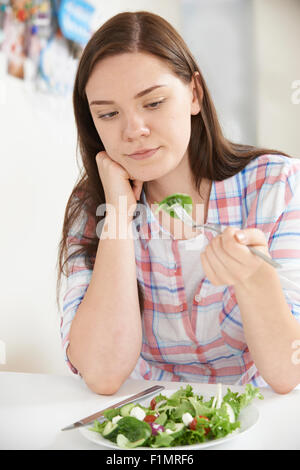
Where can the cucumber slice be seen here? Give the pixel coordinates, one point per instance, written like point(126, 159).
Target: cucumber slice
point(125, 410)
point(122, 441)
point(179, 428)
point(176, 428)
point(110, 430)
point(230, 413)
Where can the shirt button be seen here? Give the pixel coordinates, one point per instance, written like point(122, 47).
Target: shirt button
point(197, 298)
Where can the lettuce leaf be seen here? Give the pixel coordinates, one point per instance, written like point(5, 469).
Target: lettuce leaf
point(237, 402)
point(184, 200)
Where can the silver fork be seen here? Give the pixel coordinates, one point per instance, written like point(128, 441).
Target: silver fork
point(187, 219)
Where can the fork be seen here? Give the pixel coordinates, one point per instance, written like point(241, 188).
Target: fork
point(187, 219)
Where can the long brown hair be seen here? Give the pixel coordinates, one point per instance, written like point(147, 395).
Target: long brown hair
point(211, 155)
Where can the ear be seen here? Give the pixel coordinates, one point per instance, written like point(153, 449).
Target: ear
point(197, 94)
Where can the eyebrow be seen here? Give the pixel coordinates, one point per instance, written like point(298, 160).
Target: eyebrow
point(139, 95)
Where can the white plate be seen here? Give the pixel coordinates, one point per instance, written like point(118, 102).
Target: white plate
point(248, 418)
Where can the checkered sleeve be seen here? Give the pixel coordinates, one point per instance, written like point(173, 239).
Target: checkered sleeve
point(284, 240)
point(77, 279)
point(273, 205)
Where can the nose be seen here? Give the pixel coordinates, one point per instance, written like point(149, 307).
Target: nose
point(134, 127)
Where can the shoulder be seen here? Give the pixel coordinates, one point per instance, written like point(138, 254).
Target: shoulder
point(270, 185)
point(276, 165)
point(271, 173)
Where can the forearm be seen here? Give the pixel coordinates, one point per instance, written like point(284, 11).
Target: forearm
point(270, 328)
point(106, 332)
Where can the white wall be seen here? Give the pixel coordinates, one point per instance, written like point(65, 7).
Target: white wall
point(248, 51)
point(277, 34)
point(169, 9)
point(38, 168)
point(220, 35)
point(38, 146)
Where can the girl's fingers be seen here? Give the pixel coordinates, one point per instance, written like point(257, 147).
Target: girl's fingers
point(227, 259)
point(235, 241)
point(251, 236)
point(225, 266)
point(209, 270)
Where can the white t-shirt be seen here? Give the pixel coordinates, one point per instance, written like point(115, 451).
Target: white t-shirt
point(192, 270)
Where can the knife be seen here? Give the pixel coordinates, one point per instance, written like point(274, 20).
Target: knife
point(89, 419)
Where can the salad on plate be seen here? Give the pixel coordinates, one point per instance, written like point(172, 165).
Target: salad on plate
point(183, 418)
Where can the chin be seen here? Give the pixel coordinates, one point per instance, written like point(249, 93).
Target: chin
point(153, 173)
point(150, 176)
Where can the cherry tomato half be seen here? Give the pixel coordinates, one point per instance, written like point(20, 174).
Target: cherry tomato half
point(150, 418)
point(193, 424)
point(153, 404)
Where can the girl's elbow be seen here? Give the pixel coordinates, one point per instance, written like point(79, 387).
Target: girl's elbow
point(283, 388)
point(103, 386)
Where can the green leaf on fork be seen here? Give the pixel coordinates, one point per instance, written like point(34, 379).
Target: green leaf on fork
point(167, 204)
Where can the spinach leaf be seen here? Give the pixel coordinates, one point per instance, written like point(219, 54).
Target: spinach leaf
point(133, 428)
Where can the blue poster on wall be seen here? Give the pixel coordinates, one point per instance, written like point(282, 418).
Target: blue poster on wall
point(74, 18)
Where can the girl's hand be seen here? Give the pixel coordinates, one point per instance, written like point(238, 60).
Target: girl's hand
point(228, 261)
point(116, 184)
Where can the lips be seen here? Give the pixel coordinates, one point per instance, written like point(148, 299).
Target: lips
point(144, 153)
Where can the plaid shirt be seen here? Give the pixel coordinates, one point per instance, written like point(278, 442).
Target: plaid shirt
point(207, 344)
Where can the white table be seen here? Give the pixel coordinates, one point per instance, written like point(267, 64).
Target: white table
point(34, 408)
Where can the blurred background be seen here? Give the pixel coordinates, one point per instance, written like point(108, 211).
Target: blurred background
point(248, 51)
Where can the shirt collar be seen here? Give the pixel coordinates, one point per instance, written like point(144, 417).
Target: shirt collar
point(146, 224)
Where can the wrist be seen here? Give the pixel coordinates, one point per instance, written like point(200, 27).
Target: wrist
point(118, 213)
point(116, 226)
point(121, 204)
point(263, 277)
point(118, 219)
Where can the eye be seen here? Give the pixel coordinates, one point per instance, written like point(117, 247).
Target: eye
point(154, 105)
point(107, 115)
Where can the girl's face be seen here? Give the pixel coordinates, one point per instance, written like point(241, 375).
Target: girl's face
point(137, 103)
